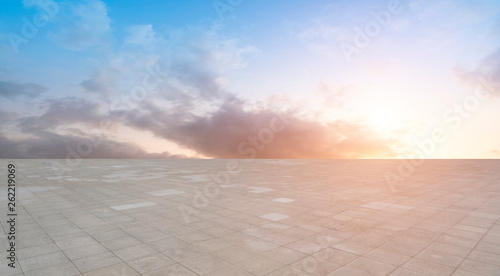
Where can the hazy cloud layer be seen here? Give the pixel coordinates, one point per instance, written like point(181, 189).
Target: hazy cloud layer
point(221, 133)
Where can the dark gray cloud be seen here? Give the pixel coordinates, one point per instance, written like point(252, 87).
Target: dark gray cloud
point(48, 144)
point(45, 142)
point(63, 112)
point(8, 117)
point(12, 90)
point(100, 83)
point(9, 148)
point(94, 85)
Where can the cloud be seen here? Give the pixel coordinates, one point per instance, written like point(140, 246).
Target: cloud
point(188, 65)
point(64, 111)
point(491, 66)
point(46, 144)
point(487, 72)
point(7, 116)
point(100, 83)
point(192, 66)
point(7, 119)
point(141, 34)
point(83, 25)
point(196, 61)
point(192, 109)
point(444, 24)
point(220, 133)
point(12, 90)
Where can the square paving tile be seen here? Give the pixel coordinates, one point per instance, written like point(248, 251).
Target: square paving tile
point(259, 265)
point(283, 200)
point(175, 269)
point(166, 192)
point(204, 264)
point(150, 263)
point(274, 216)
point(129, 253)
point(234, 254)
point(133, 205)
point(116, 269)
point(96, 262)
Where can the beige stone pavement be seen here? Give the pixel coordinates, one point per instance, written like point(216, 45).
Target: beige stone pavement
point(273, 217)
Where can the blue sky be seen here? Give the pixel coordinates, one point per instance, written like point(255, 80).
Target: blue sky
point(356, 79)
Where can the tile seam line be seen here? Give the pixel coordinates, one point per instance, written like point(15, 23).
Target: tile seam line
point(62, 251)
point(26, 210)
point(496, 221)
point(414, 256)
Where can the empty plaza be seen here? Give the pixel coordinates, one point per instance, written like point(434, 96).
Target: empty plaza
point(253, 217)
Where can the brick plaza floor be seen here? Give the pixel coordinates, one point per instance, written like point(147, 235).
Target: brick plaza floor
point(274, 217)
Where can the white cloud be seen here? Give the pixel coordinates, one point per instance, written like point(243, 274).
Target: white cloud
point(82, 25)
point(141, 34)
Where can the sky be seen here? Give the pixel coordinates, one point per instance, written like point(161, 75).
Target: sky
point(250, 79)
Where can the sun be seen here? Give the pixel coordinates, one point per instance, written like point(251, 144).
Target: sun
point(381, 116)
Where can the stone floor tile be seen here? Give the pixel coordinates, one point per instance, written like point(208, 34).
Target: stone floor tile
point(353, 247)
point(230, 270)
point(315, 266)
point(234, 254)
point(175, 269)
point(37, 250)
point(274, 216)
point(84, 251)
point(150, 263)
point(133, 252)
point(96, 262)
point(284, 255)
point(305, 246)
point(259, 265)
point(204, 264)
point(348, 271)
point(479, 267)
point(387, 257)
point(440, 257)
point(57, 269)
point(119, 269)
point(371, 266)
point(425, 267)
point(42, 261)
